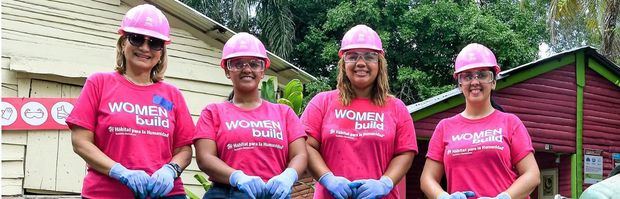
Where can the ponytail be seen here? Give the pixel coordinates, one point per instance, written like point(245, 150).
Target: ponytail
point(230, 96)
point(495, 105)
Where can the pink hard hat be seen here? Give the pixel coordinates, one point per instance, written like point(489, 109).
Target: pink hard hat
point(244, 44)
point(146, 20)
point(475, 56)
point(360, 36)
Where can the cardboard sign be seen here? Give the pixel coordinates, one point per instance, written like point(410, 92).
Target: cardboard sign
point(35, 113)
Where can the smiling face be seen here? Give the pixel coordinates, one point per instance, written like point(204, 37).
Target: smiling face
point(476, 84)
point(361, 67)
point(245, 73)
point(142, 57)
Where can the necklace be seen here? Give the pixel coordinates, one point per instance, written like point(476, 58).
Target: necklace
point(137, 83)
point(250, 105)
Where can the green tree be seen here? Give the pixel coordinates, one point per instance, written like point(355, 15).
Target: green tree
point(271, 20)
point(422, 38)
point(574, 23)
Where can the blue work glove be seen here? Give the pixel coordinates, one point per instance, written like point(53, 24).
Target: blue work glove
point(502, 195)
point(457, 195)
point(280, 186)
point(371, 188)
point(162, 181)
point(251, 185)
point(337, 186)
point(136, 180)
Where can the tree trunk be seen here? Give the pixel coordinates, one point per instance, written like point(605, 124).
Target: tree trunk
point(611, 17)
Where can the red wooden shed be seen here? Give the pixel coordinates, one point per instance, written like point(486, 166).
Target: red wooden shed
point(569, 102)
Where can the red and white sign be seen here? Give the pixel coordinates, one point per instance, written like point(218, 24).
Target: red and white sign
point(35, 113)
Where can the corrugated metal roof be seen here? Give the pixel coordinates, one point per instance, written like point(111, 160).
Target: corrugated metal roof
point(454, 92)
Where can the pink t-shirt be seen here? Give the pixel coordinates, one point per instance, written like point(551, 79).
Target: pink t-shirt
point(254, 141)
point(480, 155)
point(358, 141)
point(137, 126)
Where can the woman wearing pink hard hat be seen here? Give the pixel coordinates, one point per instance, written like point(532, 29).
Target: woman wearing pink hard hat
point(361, 139)
point(249, 147)
point(484, 152)
point(133, 130)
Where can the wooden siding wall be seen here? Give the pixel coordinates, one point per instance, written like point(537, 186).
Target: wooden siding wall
point(73, 39)
point(564, 176)
point(546, 105)
point(51, 164)
point(601, 117)
point(425, 127)
point(13, 142)
point(547, 161)
point(413, 175)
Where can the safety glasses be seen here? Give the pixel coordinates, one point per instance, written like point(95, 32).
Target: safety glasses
point(352, 56)
point(137, 40)
point(485, 76)
point(239, 64)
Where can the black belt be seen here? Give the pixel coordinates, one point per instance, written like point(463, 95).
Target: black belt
point(222, 185)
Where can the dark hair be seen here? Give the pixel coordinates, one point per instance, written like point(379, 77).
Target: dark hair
point(230, 96)
point(494, 104)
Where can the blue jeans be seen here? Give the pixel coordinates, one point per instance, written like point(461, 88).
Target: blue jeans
point(224, 191)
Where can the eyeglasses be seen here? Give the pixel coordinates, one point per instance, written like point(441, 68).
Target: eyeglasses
point(137, 40)
point(255, 64)
point(350, 57)
point(485, 76)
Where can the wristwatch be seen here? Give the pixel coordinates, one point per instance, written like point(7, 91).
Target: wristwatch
point(177, 168)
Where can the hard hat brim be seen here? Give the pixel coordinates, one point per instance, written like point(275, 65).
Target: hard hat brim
point(342, 50)
point(477, 65)
point(146, 32)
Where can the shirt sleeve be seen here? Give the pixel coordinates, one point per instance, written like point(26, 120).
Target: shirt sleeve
point(312, 118)
point(184, 128)
point(520, 141)
point(84, 113)
point(293, 125)
point(405, 131)
point(436, 145)
point(207, 125)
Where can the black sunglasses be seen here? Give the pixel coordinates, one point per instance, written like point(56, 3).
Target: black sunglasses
point(137, 40)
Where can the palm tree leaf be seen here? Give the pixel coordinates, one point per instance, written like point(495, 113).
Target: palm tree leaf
point(241, 15)
point(277, 26)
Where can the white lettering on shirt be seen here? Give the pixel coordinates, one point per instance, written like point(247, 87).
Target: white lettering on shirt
point(145, 115)
point(488, 135)
point(263, 128)
point(253, 124)
point(363, 120)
